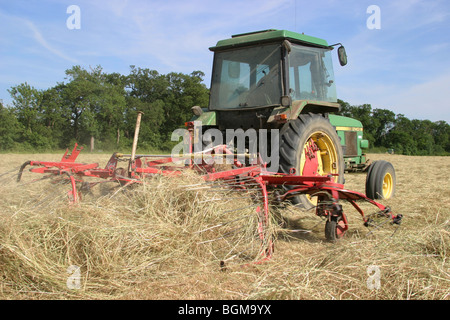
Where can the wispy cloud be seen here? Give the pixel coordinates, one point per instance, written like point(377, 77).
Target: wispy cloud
point(22, 29)
point(403, 59)
point(37, 35)
point(177, 34)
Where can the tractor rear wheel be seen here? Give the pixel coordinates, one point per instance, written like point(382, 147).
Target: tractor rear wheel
point(310, 146)
point(380, 180)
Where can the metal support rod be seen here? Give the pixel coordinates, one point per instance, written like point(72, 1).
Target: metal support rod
point(135, 139)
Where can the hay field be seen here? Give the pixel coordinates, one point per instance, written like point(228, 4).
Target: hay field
point(155, 241)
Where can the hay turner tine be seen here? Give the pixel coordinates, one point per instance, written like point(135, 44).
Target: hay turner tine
point(327, 191)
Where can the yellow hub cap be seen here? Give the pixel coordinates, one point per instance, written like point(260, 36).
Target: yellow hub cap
point(388, 185)
point(326, 154)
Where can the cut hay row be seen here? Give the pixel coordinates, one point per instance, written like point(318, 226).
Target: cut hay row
point(183, 239)
point(118, 237)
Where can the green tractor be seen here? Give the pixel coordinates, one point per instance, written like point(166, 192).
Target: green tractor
point(282, 81)
point(380, 183)
point(350, 132)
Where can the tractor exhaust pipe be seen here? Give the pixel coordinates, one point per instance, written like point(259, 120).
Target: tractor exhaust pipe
point(135, 139)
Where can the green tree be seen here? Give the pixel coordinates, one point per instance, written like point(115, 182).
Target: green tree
point(184, 91)
point(146, 92)
point(10, 129)
point(26, 102)
point(96, 102)
point(56, 116)
point(400, 137)
point(441, 135)
point(79, 95)
point(27, 106)
point(422, 133)
point(166, 101)
point(384, 121)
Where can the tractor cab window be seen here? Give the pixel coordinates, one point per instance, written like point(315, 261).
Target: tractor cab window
point(246, 77)
point(311, 74)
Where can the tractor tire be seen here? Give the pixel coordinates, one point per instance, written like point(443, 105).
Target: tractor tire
point(380, 180)
point(296, 136)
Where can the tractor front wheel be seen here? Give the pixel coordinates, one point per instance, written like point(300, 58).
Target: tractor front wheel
point(380, 180)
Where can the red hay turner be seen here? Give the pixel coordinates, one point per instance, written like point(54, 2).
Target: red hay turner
point(327, 191)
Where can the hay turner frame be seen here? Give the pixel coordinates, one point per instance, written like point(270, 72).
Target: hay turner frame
point(140, 167)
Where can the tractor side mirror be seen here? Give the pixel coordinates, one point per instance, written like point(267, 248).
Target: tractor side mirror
point(342, 56)
point(234, 69)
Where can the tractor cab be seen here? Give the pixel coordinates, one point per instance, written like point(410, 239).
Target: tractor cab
point(271, 69)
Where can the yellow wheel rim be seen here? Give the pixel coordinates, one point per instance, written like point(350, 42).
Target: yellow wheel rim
point(388, 185)
point(327, 157)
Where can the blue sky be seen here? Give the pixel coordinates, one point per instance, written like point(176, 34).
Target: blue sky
point(404, 66)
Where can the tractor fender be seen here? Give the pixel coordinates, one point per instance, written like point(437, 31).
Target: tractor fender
point(208, 118)
point(298, 107)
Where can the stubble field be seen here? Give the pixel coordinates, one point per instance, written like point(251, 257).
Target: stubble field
point(161, 241)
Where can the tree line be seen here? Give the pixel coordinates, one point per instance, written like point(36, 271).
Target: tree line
point(386, 130)
point(98, 110)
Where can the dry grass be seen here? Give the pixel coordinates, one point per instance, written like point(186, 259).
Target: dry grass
point(155, 241)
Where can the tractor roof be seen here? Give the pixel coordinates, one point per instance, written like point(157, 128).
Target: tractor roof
point(270, 35)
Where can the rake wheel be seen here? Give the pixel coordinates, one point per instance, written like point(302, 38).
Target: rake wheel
point(334, 228)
